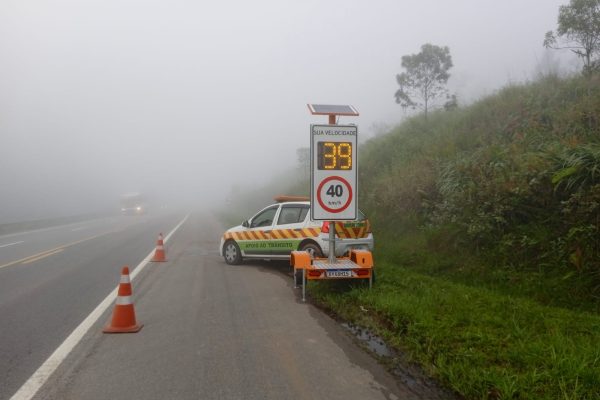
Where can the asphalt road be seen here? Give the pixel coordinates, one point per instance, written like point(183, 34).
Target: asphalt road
point(51, 279)
point(211, 331)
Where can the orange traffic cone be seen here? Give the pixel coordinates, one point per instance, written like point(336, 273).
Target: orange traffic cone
point(159, 254)
point(123, 320)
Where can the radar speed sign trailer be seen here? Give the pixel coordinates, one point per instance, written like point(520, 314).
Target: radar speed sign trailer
point(334, 170)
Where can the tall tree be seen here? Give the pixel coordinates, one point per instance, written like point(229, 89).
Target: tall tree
point(425, 77)
point(579, 31)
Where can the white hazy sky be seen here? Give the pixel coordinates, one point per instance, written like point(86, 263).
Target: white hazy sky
point(188, 97)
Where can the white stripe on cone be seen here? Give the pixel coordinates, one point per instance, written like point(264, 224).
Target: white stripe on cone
point(123, 300)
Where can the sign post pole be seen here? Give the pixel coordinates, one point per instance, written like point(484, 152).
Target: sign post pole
point(332, 258)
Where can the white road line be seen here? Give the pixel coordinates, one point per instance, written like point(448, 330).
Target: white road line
point(11, 244)
point(39, 377)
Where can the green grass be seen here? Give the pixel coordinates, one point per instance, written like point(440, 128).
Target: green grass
point(548, 285)
point(479, 343)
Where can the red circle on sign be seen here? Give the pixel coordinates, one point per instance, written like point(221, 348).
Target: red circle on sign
point(334, 178)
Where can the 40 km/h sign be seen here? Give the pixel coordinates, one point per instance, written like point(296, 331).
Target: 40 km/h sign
point(333, 162)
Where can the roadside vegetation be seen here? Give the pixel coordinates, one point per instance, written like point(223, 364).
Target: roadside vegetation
point(511, 182)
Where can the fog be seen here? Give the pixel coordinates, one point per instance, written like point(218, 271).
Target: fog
point(184, 99)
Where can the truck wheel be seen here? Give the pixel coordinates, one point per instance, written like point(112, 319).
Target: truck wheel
point(313, 249)
point(232, 253)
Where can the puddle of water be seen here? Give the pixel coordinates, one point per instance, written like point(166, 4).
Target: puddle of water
point(373, 342)
point(423, 387)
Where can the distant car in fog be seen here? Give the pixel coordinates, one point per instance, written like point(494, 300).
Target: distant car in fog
point(133, 204)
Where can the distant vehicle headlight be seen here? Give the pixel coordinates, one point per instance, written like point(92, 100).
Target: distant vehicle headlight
point(138, 208)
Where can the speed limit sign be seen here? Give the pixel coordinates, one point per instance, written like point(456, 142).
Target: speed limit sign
point(333, 172)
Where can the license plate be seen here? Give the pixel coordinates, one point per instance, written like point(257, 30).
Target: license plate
point(338, 274)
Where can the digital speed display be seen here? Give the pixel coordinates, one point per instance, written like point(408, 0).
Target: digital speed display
point(334, 156)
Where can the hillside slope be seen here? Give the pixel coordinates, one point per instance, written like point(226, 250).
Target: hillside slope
point(512, 181)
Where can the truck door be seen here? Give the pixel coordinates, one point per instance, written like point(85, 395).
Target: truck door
point(287, 232)
point(259, 233)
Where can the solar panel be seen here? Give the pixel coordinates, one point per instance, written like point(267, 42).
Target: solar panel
point(328, 109)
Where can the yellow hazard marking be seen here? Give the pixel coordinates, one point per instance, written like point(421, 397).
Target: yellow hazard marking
point(249, 235)
point(342, 232)
point(47, 254)
point(352, 232)
point(55, 250)
point(274, 234)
